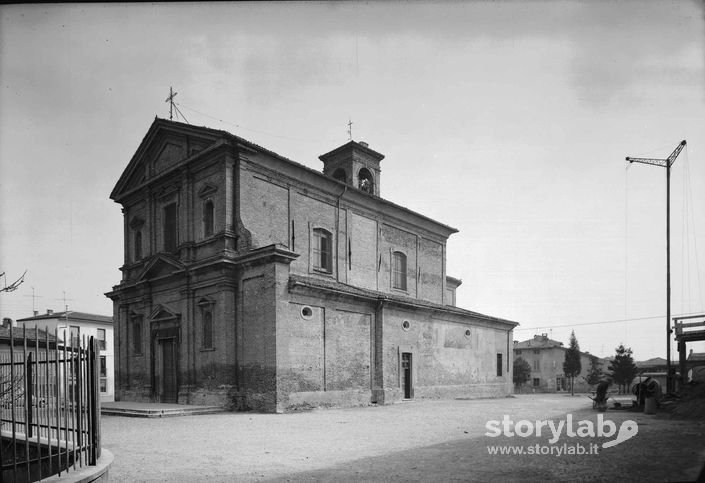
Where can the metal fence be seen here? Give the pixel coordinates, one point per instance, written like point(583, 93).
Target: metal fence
point(49, 405)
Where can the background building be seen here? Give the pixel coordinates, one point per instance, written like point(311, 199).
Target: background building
point(253, 281)
point(546, 357)
point(72, 327)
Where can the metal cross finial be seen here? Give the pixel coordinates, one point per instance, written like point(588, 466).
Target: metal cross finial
point(170, 100)
point(350, 123)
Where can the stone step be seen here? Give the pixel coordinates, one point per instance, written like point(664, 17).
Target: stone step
point(147, 410)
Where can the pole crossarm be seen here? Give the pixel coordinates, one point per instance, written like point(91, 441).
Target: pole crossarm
point(656, 162)
point(664, 163)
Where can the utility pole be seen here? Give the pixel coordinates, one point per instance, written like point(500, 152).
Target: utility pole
point(666, 163)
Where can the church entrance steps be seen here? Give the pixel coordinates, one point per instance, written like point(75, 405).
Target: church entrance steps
point(154, 410)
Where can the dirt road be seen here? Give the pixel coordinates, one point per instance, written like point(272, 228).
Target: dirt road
point(416, 441)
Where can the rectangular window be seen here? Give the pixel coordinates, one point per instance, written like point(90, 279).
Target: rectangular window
point(499, 365)
point(138, 246)
point(537, 382)
point(399, 270)
point(208, 218)
point(75, 335)
point(207, 329)
point(103, 367)
point(101, 339)
point(137, 335)
point(536, 365)
point(170, 228)
point(321, 250)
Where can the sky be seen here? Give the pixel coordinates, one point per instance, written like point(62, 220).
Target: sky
point(509, 121)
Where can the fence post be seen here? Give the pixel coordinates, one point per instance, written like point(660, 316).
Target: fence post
point(28, 396)
point(94, 413)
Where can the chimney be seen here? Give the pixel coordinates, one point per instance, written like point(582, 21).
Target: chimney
point(36, 312)
point(50, 312)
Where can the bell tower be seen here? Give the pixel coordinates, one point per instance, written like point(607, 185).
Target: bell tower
point(356, 165)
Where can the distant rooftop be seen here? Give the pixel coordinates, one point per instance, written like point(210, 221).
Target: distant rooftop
point(70, 316)
point(653, 362)
point(538, 342)
point(18, 334)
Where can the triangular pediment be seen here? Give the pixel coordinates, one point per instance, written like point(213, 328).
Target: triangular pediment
point(207, 190)
point(160, 266)
point(166, 145)
point(162, 312)
point(170, 153)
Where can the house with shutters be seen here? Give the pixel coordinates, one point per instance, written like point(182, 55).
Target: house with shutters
point(546, 357)
point(255, 282)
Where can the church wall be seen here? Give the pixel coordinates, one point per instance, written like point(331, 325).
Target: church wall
point(445, 361)
point(257, 338)
point(325, 358)
point(264, 208)
point(362, 271)
point(214, 368)
point(430, 273)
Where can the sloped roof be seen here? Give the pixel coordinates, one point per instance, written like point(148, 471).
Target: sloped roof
point(696, 356)
point(315, 283)
point(18, 333)
point(653, 362)
point(71, 316)
point(538, 342)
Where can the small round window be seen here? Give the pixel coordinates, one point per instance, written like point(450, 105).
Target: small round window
point(406, 325)
point(468, 333)
point(306, 312)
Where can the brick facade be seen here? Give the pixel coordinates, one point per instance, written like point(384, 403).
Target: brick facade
point(255, 282)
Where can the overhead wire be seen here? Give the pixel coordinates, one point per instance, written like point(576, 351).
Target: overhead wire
point(240, 126)
point(615, 321)
point(688, 196)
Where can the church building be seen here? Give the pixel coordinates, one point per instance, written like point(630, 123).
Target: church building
point(254, 282)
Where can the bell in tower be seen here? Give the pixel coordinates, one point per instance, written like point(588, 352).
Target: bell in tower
point(356, 165)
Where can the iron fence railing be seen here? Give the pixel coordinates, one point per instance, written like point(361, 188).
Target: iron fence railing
point(49, 405)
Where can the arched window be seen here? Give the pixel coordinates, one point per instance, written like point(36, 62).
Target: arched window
point(399, 271)
point(340, 175)
point(365, 181)
point(321, 250)
point(208, 218)
point(138, 245)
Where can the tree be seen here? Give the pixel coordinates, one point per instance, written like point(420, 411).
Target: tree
point(571, 364)
point(595, 373)
point(522, 371)
point(622, 367)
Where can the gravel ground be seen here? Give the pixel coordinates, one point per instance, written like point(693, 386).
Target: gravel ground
point(415, 441)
